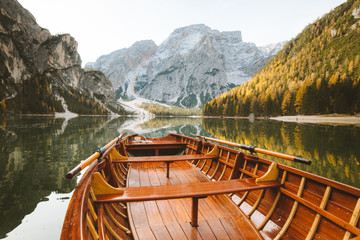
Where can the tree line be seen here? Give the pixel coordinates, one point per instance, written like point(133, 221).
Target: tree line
point(318, 72)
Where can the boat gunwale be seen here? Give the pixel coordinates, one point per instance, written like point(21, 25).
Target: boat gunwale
point(323, 180)
point(78, 230)
point(81, 194)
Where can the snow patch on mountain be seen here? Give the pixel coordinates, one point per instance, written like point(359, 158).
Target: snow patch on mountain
point(191, 67)
point(272, 49)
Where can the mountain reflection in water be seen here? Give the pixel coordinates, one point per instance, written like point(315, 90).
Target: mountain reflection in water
point(36, 153)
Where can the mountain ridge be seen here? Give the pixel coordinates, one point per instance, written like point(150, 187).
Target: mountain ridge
point(192, 66)
point(317, 72)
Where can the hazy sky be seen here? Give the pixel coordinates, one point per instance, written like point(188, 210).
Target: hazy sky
point(101, 27)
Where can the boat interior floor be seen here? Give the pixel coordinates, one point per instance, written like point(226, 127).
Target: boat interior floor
point(218, 216)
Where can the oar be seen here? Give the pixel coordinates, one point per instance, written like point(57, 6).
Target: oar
point(92, 158)
point(258, 150)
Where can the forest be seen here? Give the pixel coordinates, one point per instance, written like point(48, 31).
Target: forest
point(317, 72)
point(39, 95)
point(331, 155)
point(161, 110)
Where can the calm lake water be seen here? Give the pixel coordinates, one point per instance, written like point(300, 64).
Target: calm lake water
point(36, 153)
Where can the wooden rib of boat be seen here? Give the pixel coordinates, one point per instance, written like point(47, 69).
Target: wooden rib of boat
point(180, 187)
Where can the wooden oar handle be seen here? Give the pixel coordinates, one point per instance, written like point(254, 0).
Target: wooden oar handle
point(302, 160)
point(98, 153)
point(84, 164)
point(73, 172)
point(283, 156)
point(253, 149)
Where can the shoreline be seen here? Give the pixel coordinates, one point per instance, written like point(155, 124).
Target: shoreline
point(316, 119)
point(320, 119)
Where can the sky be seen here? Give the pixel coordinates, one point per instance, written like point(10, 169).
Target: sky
point(101, 27)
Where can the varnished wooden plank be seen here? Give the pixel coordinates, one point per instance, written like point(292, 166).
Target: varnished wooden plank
point(231, 228)
point(156, 146)
point(176, 231)
point(179, 210)
point(144, 177)
point(184, 175)
point(212, 218)
point(205, 230)
point(216, 203)
point(166, 211)
point(133, 176)
point(163, 179)
point(170, 158)
point(322, 212)
point(247, 229)
point(154, 178)
point(153, 213)
point(202, 189)
point(137, 215)
point(228, 205)
point(223, 229)
point(160, 232)
point(194, 176)
point(218, 229)
point(190, 232)
point(145, 233)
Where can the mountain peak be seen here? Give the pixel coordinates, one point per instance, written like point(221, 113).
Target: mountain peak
point(192, 66)
point(193, 28)
point(144, 43)
point(232, 36)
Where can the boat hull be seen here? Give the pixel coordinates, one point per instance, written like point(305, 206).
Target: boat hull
point(301, 206)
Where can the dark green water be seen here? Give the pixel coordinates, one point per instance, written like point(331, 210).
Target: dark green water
point(36, 153)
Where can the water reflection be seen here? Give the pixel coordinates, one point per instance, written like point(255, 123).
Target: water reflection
point(333, 149)
point(35, 154)
point(162, 126)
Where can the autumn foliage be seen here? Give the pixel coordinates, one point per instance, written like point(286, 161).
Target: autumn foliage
point(316, 72)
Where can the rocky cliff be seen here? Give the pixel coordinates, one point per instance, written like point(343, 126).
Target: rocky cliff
point(38, 70)
point(192, 66)
point(101, 89)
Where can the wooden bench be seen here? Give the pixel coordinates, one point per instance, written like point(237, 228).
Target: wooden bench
point(165, 159)
point(156, 145)
point(190, 190)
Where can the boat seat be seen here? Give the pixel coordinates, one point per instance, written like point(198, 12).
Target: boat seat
point(166, 159)
point(189, 190)
point(170, 158)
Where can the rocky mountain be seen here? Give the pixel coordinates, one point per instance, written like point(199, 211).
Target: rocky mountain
point(192, 66)
point(120, 65)
point(39, 71)
point(101, 87)
point(317, 72)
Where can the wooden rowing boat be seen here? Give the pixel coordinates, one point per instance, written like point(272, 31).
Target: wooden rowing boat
point(180, 187)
